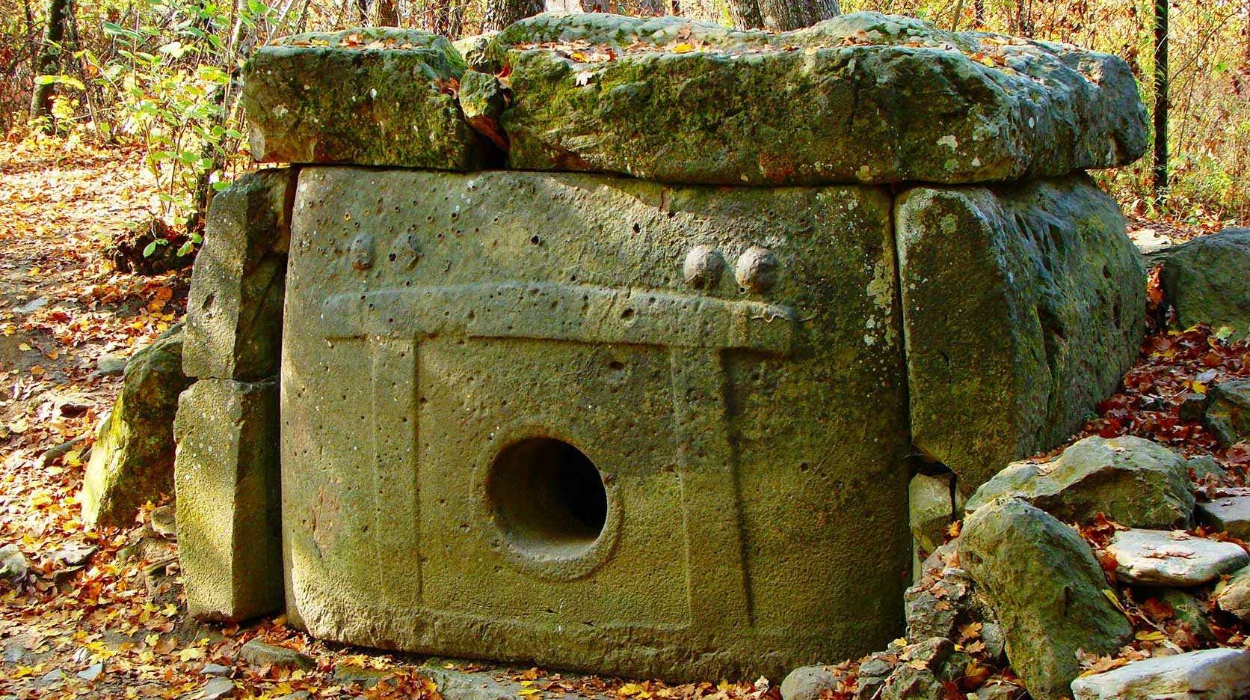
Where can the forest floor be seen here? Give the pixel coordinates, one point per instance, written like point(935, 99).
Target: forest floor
point(102, 613)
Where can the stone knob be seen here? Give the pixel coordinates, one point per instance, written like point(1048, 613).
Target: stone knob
point(756, 270)
point(703, 267)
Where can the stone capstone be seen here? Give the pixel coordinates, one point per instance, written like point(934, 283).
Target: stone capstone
point(1233, 595)
point(1134, 482)
point(863, 97)
point(132, 461)
point(377, 96)
point(234, 310)
point(1228, 414)
point(1172, 558)
point(1205, 281)
point(1047, 589)
point(1229, 514)
point(229, 518)
point(456, 345)
point(1023, 307)
point(1210, 674)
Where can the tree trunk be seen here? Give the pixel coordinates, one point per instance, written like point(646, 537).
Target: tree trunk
point(388, 13)
point(501, 13)
point(1161, 95)
point(49, 62)
point(781, 15)
point(978, 14)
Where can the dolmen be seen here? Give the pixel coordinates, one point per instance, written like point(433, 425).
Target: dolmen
point(612, 344)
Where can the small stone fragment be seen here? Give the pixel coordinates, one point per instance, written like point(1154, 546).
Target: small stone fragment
point(1047, 588)
point(1133, 481)
point(1205, 281)
point(1205, 468)
point(1211, 674)
point(215, 670)
point(1233, 595)
point(259, 653)
point(482, 99)
point(74, 554)
point(13, 564)
point(91, 672)
point(808, 683)
point(1230, 514)
point(165, 521)
point(1172, 558)
point(931, 504)
point(1228, 415)
point(51, 678)
point(1187, 610)
point(133, 457)
point(110, 365)
point(214, 689)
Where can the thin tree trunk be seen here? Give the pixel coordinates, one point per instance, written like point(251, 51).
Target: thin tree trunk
point(1161, 95)
point(49, 61)
point(781, 15)
point(501, 13)
point(388, 13)
point(978, 14)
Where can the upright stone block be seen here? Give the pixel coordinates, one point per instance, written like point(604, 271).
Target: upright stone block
point(234, 310)
point(1023, 306)
point(229, 519)
point(594, 423)
point(377, 96)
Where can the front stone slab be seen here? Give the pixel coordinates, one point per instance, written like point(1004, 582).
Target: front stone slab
point(594, 423)
point(229, 522)
point(367, 96)
point(864, 97)
point(1023, 306)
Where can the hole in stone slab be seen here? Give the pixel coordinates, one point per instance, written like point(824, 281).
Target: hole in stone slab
point(548, 498)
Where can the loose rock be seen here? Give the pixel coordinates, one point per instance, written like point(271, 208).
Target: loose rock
point(13, 564)
point(1172, 558)
point(1047, 588)
point(808, 683)
point(1133, 481)
point(1205, 281)
point(1233, 595)
point(1230, 514)
point(1228, 415)
point(132, 461)
point(1211, 674)
point(259, 653)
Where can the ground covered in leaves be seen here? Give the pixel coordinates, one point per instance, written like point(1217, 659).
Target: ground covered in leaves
point(101, 612)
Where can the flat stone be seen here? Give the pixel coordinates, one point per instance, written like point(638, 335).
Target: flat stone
point(1230, 514)
point(110, 365)
point(863, 97)
point(1172, 558)
point(215, 670)
point(1205, 281)
point(259, 653)
point(214, 689)
point(133, 457)
point(228, 499)
point(1023, 308)
point(74, 554)
point(54, 677)
point(1228, 414)
point(1134, 482)
point(376, 96)
point(572, 319)
point(454, 684)
point(1044, 583)
point(1233, 595)
point(350, 674)
point(91, 672)
point(234, 309)
point(1210, 674)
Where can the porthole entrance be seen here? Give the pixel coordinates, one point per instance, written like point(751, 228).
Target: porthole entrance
point(548, 498)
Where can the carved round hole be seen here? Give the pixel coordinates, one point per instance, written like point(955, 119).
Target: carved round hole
point(548, 498)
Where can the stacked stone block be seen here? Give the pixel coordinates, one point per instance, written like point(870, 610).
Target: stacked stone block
point(226, 471)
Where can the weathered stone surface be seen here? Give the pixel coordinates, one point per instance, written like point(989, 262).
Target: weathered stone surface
point(1205, 468)
point(483, 99)
point(1172, 558)
point(259, 653)
point(1233, 595)
point(377, 96)
point(1133, 481)
point(234, 310)
point(938, 607)
point(132, 461)
point(808, 683)
point(1210, 674)
point(448, 335)
point(1023, 306)
point(932, 504)
point(13, 564)
point(1230, 514)
point(1205, 281)
point(229, 520)
point(1042, 580)
point(1228, 415)
point(1186, 610)
point(473, 49)
point(863, 97)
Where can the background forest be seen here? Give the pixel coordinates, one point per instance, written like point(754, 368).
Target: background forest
point(163, 74)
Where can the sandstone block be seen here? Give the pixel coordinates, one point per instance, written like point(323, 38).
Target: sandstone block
point(1230, 514)
point(377, 96)
point(1023, 308)
point(513, 429)
point(234, 310)
point(229, 520)
point(1210, 674)
point(863, 97)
